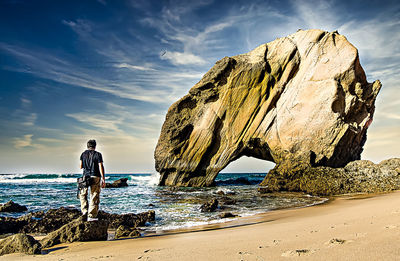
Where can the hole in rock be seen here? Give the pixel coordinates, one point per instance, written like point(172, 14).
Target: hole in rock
point(244, 171)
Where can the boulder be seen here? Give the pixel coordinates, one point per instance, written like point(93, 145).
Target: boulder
point(125, 231)
point(118, 183)
point(209, 206)
point(129, 220)
point(360, 176)
point(77, 230)
point(20, 243)
point(303, 99)
point(10, 206)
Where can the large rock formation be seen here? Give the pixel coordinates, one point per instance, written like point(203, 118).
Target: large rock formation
point(359, 176)
point(301, 98)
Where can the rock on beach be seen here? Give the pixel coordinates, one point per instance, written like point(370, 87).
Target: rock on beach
point(299, 101)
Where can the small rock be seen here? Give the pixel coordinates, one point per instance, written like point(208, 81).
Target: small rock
point(10, 206)
point(227, 215)
point(124, 231)
point(118, 183)
point(220, 192)
point(337, 241)
point(228, 201)
point(20, 243)
point(209, 206)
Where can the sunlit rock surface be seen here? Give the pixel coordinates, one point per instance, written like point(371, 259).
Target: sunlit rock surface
point(303, 99)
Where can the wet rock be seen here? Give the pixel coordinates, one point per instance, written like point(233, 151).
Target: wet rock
point(20, 243)
point(46, 222)
point(227, 215)
point(10, 206)
point(228, 201)
point(11, 225)
point(125, 231)
point(303, 99)
point(118, 183)
point(220, 192)
point(77, 230)
point(129, 220)
point(360, 176)
point(209, 206)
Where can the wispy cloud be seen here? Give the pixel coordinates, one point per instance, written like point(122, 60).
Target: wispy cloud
point(25, 141)
point(133, 67)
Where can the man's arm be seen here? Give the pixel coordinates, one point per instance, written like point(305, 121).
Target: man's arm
point(81, 165)
point(103, 178)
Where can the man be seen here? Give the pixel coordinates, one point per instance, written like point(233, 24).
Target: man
point(92, 165)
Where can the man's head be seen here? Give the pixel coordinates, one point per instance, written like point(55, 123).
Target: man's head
point(91, 144)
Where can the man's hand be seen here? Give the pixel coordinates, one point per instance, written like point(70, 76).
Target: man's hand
point(103, 182)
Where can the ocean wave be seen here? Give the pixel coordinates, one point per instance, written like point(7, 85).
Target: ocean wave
point(151, 180)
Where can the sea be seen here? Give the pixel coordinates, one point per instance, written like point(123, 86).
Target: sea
point(175, 208)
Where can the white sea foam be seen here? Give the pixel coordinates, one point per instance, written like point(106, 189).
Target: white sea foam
point(151, 180)
point(37, 181)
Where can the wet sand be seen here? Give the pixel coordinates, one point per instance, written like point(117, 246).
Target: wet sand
point(347, 228)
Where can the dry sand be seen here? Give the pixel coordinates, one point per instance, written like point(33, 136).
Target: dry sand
point(349, 228)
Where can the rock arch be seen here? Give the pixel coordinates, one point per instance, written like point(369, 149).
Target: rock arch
point(301, 98)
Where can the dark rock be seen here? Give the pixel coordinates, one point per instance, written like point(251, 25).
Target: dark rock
point(10, 206)
point(220, 192)
point(118, 183)
point(129, 220)
point(46, 222)
point(227, 215)
point(20, 243)
point(11, 225)
point(151, 205)
point(77, 230)
point(360, 176)
point(125, 231)
point(209, 206)
point(228, 201)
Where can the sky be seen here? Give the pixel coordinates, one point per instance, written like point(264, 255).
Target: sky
point(109, 70)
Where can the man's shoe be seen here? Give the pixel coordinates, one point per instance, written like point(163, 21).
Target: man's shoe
point(92, 219)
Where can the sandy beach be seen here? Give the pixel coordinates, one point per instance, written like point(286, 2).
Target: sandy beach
point(347, 228)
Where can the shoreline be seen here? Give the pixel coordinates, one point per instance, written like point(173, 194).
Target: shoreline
point(350, 227)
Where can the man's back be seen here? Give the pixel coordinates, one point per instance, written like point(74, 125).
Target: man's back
point(90, 162)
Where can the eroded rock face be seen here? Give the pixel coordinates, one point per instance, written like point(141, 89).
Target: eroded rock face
point(302, 98)
point(360, 176)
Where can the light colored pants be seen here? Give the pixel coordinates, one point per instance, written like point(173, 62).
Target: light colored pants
point(94, 198)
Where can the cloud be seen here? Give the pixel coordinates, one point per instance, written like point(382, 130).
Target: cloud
point(178, 58)
point(25, 141)
point(133, 67)
point(30, 119)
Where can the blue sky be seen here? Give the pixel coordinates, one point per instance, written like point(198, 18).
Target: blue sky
point(109, 70)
